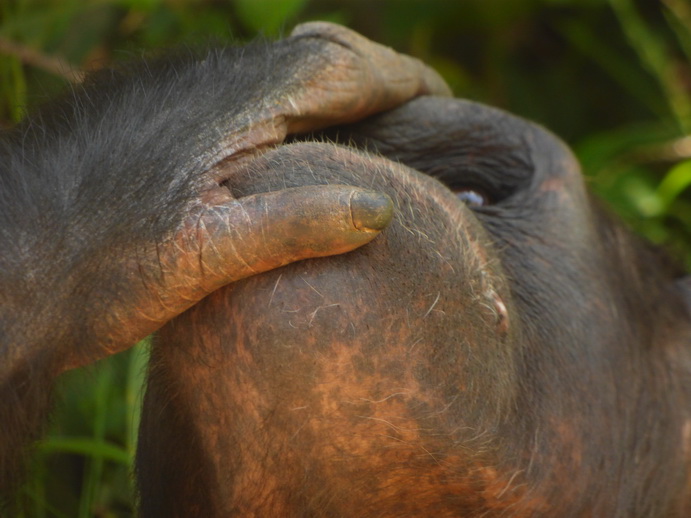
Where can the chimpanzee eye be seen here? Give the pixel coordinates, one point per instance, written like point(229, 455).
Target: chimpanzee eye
point(471, 197)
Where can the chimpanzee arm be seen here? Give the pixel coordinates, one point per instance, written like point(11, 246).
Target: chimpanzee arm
point(114, 215)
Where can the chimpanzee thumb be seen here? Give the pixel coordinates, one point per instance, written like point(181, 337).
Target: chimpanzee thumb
point(223, 243)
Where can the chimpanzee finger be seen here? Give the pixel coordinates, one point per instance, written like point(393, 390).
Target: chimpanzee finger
point(361, 78)
point(223, 243)
point(338, 77)
point(264, 231)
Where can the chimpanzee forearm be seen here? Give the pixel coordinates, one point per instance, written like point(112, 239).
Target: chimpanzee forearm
point(114, 216)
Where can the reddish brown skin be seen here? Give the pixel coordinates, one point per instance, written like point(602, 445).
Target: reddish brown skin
point(113, 214)
point(523, 359)
point(297, 387)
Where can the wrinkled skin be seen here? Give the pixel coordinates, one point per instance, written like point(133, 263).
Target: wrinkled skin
point(528, 357)
point(523, 358)
point(113, 214)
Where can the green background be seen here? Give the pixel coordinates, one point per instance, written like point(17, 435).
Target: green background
point(611, 77)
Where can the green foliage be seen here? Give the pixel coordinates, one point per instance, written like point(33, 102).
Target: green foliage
point(612, 77)
point(267, 16)
point(673, 185)
point(82, 467)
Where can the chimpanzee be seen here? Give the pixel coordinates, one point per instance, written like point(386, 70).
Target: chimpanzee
point(503, 348)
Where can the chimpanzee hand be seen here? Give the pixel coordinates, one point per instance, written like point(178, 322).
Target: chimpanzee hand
point(114, 211)
point(119, 219)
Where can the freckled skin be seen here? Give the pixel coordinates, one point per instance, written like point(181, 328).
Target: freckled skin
point(521, 359)
point(527, 358)
point(327, 396)
point(114, 217)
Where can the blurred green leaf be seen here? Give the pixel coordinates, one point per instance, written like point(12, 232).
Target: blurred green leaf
point(655, 56)
point(136, 377)
point(677, 180)
point(86, 446)
point(678, 15)
point(14, 90)
point(140, 5)
point(600, 150)
point(267, 16)
point(629, 75)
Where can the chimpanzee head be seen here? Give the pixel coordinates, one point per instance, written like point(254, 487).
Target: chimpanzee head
point(503, 348)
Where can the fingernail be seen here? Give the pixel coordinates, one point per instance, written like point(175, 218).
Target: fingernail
point(371, 211)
